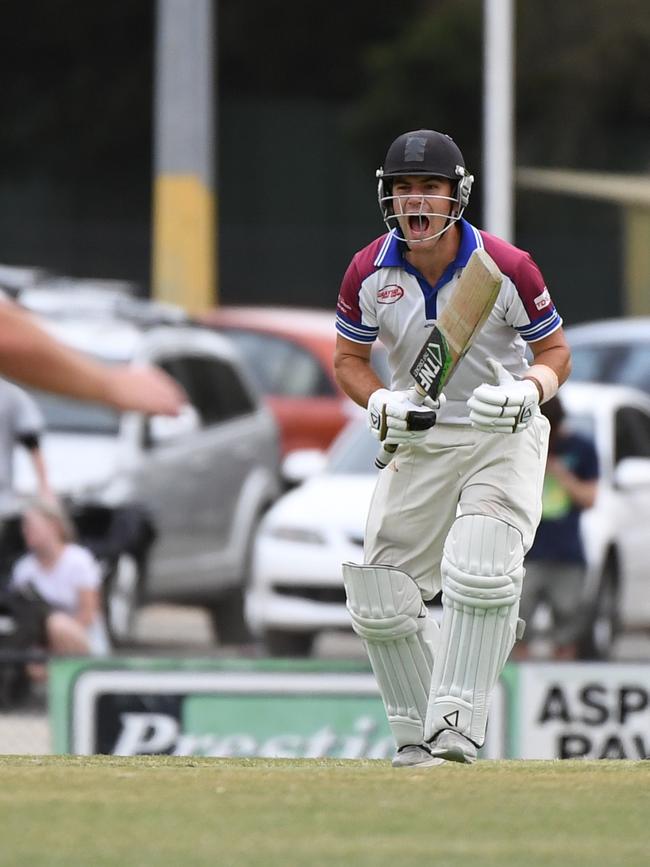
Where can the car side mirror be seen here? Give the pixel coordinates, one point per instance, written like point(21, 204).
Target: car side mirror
point(632, 473)
point(303, 464)
point(164, 428)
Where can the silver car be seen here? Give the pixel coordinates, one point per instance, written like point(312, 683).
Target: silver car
point(170, 505)
point(616, 351)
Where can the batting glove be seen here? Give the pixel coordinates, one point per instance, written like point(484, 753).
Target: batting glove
point(395, 418)
point(508, 407)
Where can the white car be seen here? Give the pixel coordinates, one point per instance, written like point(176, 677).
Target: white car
point(297, 592)
point(296, 589)
point(616, 351)
point(169, 505)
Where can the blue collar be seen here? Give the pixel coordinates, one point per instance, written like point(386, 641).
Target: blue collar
point(392, 252)
point(391, 255)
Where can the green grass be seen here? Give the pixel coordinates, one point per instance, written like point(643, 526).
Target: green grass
point(182, 812)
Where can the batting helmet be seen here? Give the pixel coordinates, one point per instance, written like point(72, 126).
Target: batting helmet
point(423, 152)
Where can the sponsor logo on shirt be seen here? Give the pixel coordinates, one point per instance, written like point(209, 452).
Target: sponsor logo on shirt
point(542, 300)
point(390, 294)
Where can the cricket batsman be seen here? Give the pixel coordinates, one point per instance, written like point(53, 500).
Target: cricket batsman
point(458, 505)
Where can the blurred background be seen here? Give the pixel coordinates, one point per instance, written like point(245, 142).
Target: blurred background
point(302, 116)
point(164, 162)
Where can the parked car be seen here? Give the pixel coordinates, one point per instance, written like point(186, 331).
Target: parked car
point(615, 530)
point(296, 590)
point(290, 352)
point(612, 350)
point(170, 505)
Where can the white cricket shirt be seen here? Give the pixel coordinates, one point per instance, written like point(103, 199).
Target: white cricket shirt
point(384, 297)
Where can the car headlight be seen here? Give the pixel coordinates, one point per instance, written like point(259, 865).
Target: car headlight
point(303, 535)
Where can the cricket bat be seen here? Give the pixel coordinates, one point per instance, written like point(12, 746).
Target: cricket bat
point(452, 333)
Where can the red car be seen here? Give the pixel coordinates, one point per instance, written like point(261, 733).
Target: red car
point(290, 353)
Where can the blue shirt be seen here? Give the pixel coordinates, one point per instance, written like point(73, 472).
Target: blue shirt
point(558, 536)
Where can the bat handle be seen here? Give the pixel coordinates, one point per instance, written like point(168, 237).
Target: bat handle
point(385, 454)
point(417, 395)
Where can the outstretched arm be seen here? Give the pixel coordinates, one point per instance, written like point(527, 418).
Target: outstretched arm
point(33, 357)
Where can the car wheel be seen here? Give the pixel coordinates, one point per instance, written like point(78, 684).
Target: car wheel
point(602, 628)
point(228, 617)
point(122, 588)
point(289, 643)
point(228, 622)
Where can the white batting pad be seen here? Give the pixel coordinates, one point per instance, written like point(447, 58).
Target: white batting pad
point(482, 571)
point(388, 613)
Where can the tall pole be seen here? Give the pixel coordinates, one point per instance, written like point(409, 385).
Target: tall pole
point(498, 117)
point(184, 206)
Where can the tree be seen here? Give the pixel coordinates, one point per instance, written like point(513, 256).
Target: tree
point(584, 84)
point(582, 81)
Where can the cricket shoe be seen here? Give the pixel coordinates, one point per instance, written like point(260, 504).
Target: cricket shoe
point(453, 747)
point(415, 756)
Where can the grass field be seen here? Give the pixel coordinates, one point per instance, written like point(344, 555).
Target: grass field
point(182, 812)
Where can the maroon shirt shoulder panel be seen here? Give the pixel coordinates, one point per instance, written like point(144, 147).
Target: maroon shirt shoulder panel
point(520, 267)
point(361, 267)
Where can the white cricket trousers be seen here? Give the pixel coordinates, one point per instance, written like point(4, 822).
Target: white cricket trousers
point(458, 470)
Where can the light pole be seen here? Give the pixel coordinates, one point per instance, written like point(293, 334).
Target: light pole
point(184, 205)
point(498, 117)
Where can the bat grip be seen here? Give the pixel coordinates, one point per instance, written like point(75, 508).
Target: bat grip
point(417, 395)
point(385, 454)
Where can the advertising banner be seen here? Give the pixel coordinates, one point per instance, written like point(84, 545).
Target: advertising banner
point(582, 710)
point(217, 708)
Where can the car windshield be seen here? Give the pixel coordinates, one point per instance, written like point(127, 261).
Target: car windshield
point(65, 415)
point(281, 367)
point(625, 364)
